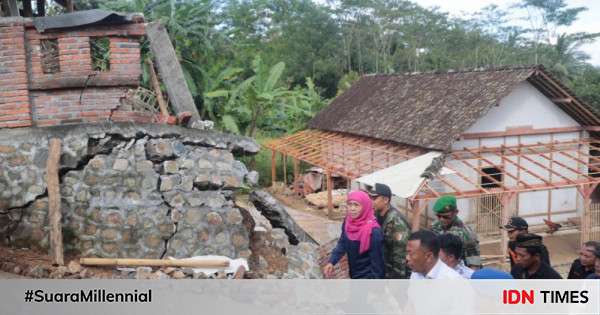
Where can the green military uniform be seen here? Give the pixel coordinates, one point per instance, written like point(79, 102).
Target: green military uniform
point(471, 251)
point(396, 231)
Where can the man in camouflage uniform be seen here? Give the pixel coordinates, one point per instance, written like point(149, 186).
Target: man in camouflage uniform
point(395, 230)
point(449, 222)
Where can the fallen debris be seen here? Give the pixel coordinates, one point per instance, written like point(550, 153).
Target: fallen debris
point(320, 199)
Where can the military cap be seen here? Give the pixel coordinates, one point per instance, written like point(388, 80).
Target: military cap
point(515, 223)
point(445, 204)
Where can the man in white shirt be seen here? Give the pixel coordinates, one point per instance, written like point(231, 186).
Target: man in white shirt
point(451, 252)
point(422, 257)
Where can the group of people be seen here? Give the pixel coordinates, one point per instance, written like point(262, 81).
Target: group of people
point(379, 244)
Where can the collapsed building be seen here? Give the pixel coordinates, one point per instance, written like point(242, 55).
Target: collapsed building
point(138, 173)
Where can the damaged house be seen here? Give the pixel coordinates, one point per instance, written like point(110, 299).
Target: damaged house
point(506, 141)
point(114, 169)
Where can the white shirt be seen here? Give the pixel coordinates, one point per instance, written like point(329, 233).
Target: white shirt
point(463, 270)
point(439, 271)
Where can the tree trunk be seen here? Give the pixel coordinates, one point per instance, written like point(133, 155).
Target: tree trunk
point(41, 7)
point(27, 11)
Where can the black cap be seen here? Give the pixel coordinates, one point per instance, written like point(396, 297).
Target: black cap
point(528, 240)
point(381, 190)
point(516, 223)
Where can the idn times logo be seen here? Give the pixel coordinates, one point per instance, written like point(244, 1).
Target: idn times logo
point(547, 296)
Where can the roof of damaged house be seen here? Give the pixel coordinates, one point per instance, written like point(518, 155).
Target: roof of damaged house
point(84, 18)
point(431, 110)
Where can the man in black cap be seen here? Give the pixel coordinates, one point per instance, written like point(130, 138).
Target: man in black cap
point(515, 227)
point(396, 231)
point(528, 262)
point(597, 267)
point(583, 266)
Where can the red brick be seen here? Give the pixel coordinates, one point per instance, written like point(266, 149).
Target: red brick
point(15, 117)
point(13, 106)
point(14, 112)
point(47, 122)
point(13, 93)
point(15, 124)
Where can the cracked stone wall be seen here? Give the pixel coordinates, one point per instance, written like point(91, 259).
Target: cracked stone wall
point(128, 190)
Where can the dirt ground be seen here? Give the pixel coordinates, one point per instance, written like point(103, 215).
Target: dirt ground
point(17, 262)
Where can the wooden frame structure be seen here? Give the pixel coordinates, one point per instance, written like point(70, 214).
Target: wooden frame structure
point(549, 165)
point(524, 167)
point(338, 153)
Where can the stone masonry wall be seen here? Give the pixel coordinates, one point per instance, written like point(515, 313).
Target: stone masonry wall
point(127, 191)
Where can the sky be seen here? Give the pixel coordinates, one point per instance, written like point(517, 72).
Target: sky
point(589, 21)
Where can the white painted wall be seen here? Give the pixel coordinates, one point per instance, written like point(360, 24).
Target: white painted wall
point(522, 107)
point(525, 106)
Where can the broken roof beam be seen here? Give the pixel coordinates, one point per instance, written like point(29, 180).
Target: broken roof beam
point(170, 71)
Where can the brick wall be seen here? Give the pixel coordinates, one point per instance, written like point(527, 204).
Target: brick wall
point(75, 93)
point(14, 95)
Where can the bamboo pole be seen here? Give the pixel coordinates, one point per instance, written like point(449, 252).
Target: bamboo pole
point(54, 211)
point(192, 263)
point(162, 104)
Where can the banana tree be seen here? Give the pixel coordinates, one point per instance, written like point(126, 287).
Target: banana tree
point(258, 94)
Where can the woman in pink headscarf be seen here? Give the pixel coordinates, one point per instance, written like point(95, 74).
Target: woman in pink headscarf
point(361, 240)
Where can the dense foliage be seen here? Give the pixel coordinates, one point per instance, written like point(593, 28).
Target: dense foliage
point(266, 66)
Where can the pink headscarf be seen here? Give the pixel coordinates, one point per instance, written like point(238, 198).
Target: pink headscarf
point(360, 228)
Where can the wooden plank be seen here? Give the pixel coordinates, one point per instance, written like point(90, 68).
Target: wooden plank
point(54, 203)
point(192, 263)
point(170, 71)
point(519, 132)
point(162, 104)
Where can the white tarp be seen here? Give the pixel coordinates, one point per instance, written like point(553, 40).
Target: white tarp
point(404, 179)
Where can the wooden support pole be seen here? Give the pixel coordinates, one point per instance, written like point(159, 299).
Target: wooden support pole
point(507, 211)
point(284, 158)
point(192, 263)
point(54, 206)
point(417, 207)
point(329, 195)
point(296, 174)
point(162, 104)
point(273, 170)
